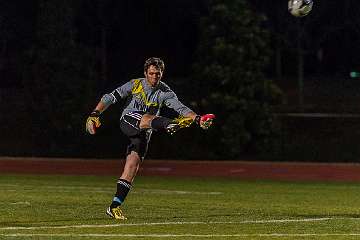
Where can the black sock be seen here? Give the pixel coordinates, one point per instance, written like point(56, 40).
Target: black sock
point(122, 189)
point(160, 123)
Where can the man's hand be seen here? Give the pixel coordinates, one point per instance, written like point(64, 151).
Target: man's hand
point(93, 122)
point(205, 121)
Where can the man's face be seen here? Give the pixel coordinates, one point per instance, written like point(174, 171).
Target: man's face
point(153, 75)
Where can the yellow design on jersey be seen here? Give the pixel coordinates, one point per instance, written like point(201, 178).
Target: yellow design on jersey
point(139, 91)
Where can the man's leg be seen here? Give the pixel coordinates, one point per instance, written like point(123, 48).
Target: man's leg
point(169, 125)
point(146, 120)
point(136, 151)
point(124, 184)
point(131, 167)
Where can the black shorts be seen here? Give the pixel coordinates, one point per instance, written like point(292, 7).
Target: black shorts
point(138, 138)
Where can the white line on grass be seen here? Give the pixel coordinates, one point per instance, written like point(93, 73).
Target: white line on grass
point(108, 190)
point(162, 191)
point(8, 185)
point(21, 203)
point(185, 235)
point(167, 223)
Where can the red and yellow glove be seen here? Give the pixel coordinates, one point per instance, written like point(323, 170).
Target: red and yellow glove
point(93, 122)
point(205, 121)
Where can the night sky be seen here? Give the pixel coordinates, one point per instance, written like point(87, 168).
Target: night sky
point(136, 30)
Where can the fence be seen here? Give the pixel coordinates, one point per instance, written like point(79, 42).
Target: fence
point(324, 137)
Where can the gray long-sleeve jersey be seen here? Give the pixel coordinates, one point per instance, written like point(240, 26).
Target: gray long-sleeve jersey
point(140, 96)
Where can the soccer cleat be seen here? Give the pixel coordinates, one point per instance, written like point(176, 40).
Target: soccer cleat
point(115, 213)
point(177, 123)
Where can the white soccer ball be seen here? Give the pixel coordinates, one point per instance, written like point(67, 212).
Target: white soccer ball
point(300, 8)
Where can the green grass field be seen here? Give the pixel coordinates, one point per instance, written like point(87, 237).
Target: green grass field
point(73, 207)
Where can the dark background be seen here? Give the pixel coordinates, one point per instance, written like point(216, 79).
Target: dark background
point(57, 58)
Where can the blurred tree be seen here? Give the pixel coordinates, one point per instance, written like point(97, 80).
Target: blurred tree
point(4, 38)
point(290, 38)
point(15, 36)
point(232, 55)
point(312, 42)
point(59, 79)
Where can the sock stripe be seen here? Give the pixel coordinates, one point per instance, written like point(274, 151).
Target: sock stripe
point(122, 189)
point(118, 200)
point(125, 184)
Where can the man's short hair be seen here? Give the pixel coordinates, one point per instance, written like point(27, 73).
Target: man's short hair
point(157, 62)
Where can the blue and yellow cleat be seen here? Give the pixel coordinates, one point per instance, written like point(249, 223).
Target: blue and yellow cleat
point(178, 123)
point(115, 213)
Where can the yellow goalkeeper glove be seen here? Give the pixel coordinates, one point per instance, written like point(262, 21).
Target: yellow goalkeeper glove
point(93, 122)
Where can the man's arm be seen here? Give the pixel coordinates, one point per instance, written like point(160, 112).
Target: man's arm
point(113, 97)
point(173, 102)
point(101, 106)
point(191, 115)
point(108, 99)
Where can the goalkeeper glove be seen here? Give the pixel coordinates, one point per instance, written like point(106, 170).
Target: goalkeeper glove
point(93, 122)
point(205, 121)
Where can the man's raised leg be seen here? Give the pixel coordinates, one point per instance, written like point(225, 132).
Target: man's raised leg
point(169, 125)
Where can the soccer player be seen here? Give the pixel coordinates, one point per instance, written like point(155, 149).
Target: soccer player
point(140, 116)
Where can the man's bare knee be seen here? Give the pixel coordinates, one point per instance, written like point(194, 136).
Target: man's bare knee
point(146, 121)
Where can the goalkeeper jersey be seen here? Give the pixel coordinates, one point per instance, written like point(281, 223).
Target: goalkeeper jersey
point(141, 96)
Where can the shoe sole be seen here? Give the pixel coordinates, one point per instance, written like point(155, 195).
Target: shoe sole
point(177, 126)
point(108, 212)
